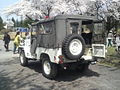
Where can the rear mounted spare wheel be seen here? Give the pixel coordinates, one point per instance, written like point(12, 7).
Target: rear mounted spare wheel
point(73, 46)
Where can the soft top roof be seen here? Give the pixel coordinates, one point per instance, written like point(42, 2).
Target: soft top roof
point(62, 17)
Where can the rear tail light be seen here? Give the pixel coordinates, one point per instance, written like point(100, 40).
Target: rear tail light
point(61, 59)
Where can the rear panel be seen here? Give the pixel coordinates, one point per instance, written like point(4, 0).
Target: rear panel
point(60, 26)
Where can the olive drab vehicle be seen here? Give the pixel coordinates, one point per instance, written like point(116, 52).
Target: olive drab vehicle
point(65, 41)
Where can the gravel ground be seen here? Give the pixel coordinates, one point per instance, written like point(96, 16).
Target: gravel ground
point(15, 77)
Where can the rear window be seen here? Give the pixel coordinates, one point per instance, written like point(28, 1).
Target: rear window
point(74, 27)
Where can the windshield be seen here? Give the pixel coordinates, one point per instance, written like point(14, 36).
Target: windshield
point(34, 30)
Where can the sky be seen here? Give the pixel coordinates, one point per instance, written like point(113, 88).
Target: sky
point(4, 4)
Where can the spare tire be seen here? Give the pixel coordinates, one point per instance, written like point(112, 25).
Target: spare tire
point(73, 47)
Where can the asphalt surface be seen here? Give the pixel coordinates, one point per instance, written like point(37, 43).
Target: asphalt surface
point(15, 77)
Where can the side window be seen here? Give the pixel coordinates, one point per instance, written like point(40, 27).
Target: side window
point(45, 28)
point(74, 27)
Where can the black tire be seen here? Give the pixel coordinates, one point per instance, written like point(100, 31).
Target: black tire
point(23, 59)
point(53, 69)
point(66, 46)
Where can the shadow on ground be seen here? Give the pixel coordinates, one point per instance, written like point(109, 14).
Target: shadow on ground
point(65, 75)
point(36, 66)
point(21, 79)
point(71, 75)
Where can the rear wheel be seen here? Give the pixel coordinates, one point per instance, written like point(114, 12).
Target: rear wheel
point(49, 69)
point(23, 59)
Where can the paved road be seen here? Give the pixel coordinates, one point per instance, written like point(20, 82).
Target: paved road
point(15, 77)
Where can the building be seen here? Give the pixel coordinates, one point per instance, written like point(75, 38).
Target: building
point(9, 24)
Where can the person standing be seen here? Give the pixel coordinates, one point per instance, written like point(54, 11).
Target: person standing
point(16, 42)
point(6, 40)
point(110, 38)
point(118, 42)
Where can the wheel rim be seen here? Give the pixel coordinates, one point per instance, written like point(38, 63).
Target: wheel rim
point(47, 67)
point(21, 59)
point(75, 47)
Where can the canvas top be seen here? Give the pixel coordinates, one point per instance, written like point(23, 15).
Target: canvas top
point(63, 17)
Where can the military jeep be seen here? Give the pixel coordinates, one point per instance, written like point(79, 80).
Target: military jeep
point(65, 41)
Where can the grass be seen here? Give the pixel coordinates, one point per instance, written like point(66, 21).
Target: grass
point(112, 58)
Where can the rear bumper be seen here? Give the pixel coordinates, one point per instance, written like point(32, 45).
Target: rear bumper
point(83, 58)
point(89, 59)
point(74, 65)
point(78, 63)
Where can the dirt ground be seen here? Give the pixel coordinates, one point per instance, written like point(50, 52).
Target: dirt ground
point(15, 77)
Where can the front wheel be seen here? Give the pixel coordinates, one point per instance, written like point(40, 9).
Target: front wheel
point(23, 59)
point(49, 69)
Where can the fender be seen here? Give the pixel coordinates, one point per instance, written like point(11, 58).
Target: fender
point(52, 53)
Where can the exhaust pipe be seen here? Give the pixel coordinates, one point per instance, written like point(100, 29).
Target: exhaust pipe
point(93, 62)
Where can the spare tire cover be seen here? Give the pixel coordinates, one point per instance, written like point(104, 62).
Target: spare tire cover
point(73, 46)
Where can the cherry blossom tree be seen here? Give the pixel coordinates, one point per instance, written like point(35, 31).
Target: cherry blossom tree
point(46, 7)
point(104, 8)
point(41, 8)
point(22, 8)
